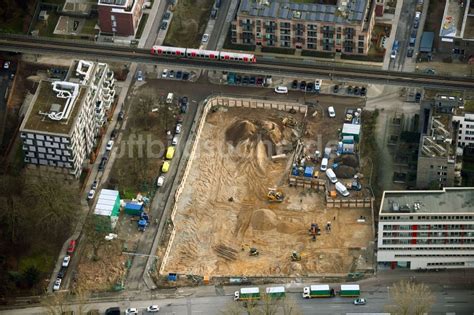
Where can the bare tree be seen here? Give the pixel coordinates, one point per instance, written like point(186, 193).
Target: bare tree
point(409, 297)
point(94, 232)
point(56, 304)
point(266, 306)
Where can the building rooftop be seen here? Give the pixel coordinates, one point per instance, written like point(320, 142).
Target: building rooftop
point(439, 142)
point(47, 101)
point(454, 17)
point(117, 3)
point(344, 12)
point(448, 200)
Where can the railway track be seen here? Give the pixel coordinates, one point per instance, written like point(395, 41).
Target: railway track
point(277, 67)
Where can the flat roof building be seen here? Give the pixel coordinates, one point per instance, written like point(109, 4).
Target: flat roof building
point(120, 17)
point(64, 117)
point(457, 28)
point(431, 229)
point(342, 26)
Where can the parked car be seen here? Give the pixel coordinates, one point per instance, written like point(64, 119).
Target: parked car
point(363, 91)
point(309, 87)
point(205, 38)
point(245, 80)
point(91, 194)
point(183, 108)
point(317, 85)
point(72, 247)
point(178, 128)
point(109, 146)
point(121, 115)
point(94, 185)
point(139, 75)
point(360, 301)
point(331, 112)
point(164, 74)
point(303, 85)
point(259, 81)
point(166, 15)
point(175, 139)
point(57, 284)
point(184, 100)
point(294, 84)
point(349, 89)
point(153, 309)
point(114, 134)
point(213, 13)
point(336, 89)
point(113, 311)
point(252, 80)
point(281, 90)
point(179, 75)
point(410, 52)
point(61, 273)
point(171, 74)
point(66, 261)
point(185, 76)
point(166, 166)
point(238, 79)
point(356, 90)
point(102, 163)
point(164, 25)
point(6, 64)
point(160, 181)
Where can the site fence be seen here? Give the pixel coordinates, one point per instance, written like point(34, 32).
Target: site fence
point(263, 104)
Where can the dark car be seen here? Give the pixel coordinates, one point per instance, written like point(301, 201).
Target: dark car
point(303, 85)
point(102, 163)
point(179, 74)
point(166, 15)
point(184, 108)
point(121, 115)
point(410, 53)
point(259, 81)
point(363, 91)
point(238, 79)
point(336, 89)
point(245, 80)
point(294, 84)
point(113, 311)
point(184, 100)
point(62, 273)
point(185, 76)
point(356, 90)
point(310, 87)
point(114, 134)
point(252, 80)
point(164, 25)
point(416, 24)
point(213, 13)
point(94, 185)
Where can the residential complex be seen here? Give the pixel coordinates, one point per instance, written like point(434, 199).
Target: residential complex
point(457, 28)
point(120, 17)
point(426, 229)
point(343, 27)
point(63, 120)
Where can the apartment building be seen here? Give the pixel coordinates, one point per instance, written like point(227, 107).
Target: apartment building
point(437, 149)
point(342, 27)
point(466, 128)
point(426, 229)
point(120, 17)
point(63, 120)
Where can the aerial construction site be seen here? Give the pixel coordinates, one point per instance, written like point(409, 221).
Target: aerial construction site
point(237, 215)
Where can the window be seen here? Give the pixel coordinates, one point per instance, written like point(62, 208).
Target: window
point(361, 37)
point(112, 17)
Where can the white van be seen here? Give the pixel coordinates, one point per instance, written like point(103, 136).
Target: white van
point(175, 140)
point(170, 98)
point(331, 112)
point(324, 164)
point(342, 189)
point(331, 175)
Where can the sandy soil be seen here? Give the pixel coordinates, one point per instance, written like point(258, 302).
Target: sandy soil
point(214, 234)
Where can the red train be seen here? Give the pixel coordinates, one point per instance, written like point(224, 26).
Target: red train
point(202, 54)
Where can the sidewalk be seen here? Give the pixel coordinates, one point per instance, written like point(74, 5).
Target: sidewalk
point(393, 33)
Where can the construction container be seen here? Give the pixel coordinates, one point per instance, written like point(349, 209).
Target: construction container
point(205, 280)
point(275, 292)
point(133, 208)
point(308, 171)
point(333, 194)
point(351, 130)
point(246, 294)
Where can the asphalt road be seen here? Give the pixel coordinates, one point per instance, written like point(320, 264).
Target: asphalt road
point(219, 25)
point(402, 34)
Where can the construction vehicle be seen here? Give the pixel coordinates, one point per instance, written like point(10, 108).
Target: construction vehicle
point(247, 294)
point(275, 195)
point(289, 122)
point(314, 230)
point(317, 291)
point(253, 252)
point(295, 256)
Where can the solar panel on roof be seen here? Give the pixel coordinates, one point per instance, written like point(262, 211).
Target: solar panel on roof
point(266, 12)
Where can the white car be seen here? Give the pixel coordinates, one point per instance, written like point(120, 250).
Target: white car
point(57, 284)
point(66, 261)
point(164, 74)
point(178, 128)
point(393, 54)
point(160, 181)
point(205, 38)
point(317, 85)
point(6, 65)
point(109, 146)
point(153, 309)
point(91, 194)
point(131, 310)
point(360, 301)
point(331, 112)
point(281, 90)
point(140, 76)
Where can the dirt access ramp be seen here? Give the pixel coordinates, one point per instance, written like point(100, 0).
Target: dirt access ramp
point(223, 210)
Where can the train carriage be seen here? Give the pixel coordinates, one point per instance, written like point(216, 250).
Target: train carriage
point(168, 51)
point(231, 56)
point(202, 54)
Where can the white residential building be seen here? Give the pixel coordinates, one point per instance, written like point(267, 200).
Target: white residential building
point(64, 117)
point(426, 229)
point(466, 129)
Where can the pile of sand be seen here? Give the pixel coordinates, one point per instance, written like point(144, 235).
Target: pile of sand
point(345, 171)
point(288, 228)
point(263, 219)
point(240, 130)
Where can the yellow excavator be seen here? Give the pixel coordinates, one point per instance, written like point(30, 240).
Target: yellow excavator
point(275, 195)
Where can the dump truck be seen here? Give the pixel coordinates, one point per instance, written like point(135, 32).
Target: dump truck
point(317, 291)
point(247, 294)
point(349, 290)
point(275, 195)
point(275, 292)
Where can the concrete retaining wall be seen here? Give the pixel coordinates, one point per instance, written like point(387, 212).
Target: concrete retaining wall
point(263, 104)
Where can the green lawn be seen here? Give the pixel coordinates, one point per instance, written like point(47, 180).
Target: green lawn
point(141, 26)
point(469, 106)
point(89, 27)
